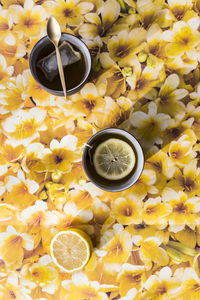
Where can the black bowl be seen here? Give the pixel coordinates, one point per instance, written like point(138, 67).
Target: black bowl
point(112, 185)
point(45, 42)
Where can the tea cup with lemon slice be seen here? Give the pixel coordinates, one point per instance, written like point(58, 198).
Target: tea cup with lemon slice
point(113, 159)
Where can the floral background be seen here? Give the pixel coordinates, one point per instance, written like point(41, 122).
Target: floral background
point(145, 79)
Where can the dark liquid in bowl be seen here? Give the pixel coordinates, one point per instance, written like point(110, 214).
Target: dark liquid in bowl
point(74, 73)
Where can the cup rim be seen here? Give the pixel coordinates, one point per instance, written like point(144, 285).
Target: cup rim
point(141, 157)
point(88, 69)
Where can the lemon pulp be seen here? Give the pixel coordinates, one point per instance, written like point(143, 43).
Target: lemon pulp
point(71, 249)
point(114, 159)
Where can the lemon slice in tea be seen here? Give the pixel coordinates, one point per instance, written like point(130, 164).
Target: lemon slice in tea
point(114, 159)
point(71, 249)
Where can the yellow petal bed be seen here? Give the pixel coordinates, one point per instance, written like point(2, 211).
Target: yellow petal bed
point(145, 79)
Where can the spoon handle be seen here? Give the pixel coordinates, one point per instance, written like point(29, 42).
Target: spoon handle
point(61, 72)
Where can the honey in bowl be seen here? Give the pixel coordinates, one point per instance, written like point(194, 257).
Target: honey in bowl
point(47, 69)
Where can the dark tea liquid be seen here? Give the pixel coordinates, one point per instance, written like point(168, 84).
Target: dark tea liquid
point(74, 73)
point(91, 151)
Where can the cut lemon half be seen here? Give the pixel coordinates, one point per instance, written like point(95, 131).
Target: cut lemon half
point(114, 159)
point(71, 249)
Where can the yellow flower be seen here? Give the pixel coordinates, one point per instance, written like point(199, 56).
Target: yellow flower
point(2, 188)
point(129, 277)
point(131, 295)
point(8, 214)
point(77, 173)
point(12, 48)
point(81, 288)
point(24, 126)
point(163, 165)
point(149, 127)
point(5, 22)
point(196, 6)
point(29, 20)
point(194, 121)
point(183, 38)
point(123, 46)
point(61, 155)
point(81, 198)
point(68, 13)
point(187, 236)
point(190, 287)
point(196, 263)
point(150, 251)
point(146, 231)
point(83, 131)
point(57, 194)
point(10, 288)
point(14, 97)
point(144, 185)
point(56, 124)
point(89, 99)
point(20, 65)
point(162, 286)
point(4, 165)
point(12, 246)
point(187, 179)
point(196, 93)
point(100, 210)
point(34, 90)
point(33, 160)
point(117, 244)
point(155, 41)
point(96, 270)
point(36, 217)
point(180, 8)
point(156, 212)
point(75, 215)
point(41, 273)
point(184, 211)
point(7, 3)
point(170, 96)
point(182, 64)
point(20, 191)
point(102, 111)
point(96, 25)
point(181, 151)
point(38, 293)
point(116, 82)
point(127, 210)
point(125, 103)
point(5, 72)
point(151, 11)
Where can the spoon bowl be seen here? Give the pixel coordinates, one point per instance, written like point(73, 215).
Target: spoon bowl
point(53, 30)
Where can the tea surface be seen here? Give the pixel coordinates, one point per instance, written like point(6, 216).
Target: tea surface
point(74, 73)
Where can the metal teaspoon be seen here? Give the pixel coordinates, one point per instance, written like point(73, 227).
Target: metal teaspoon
point(54, 34)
